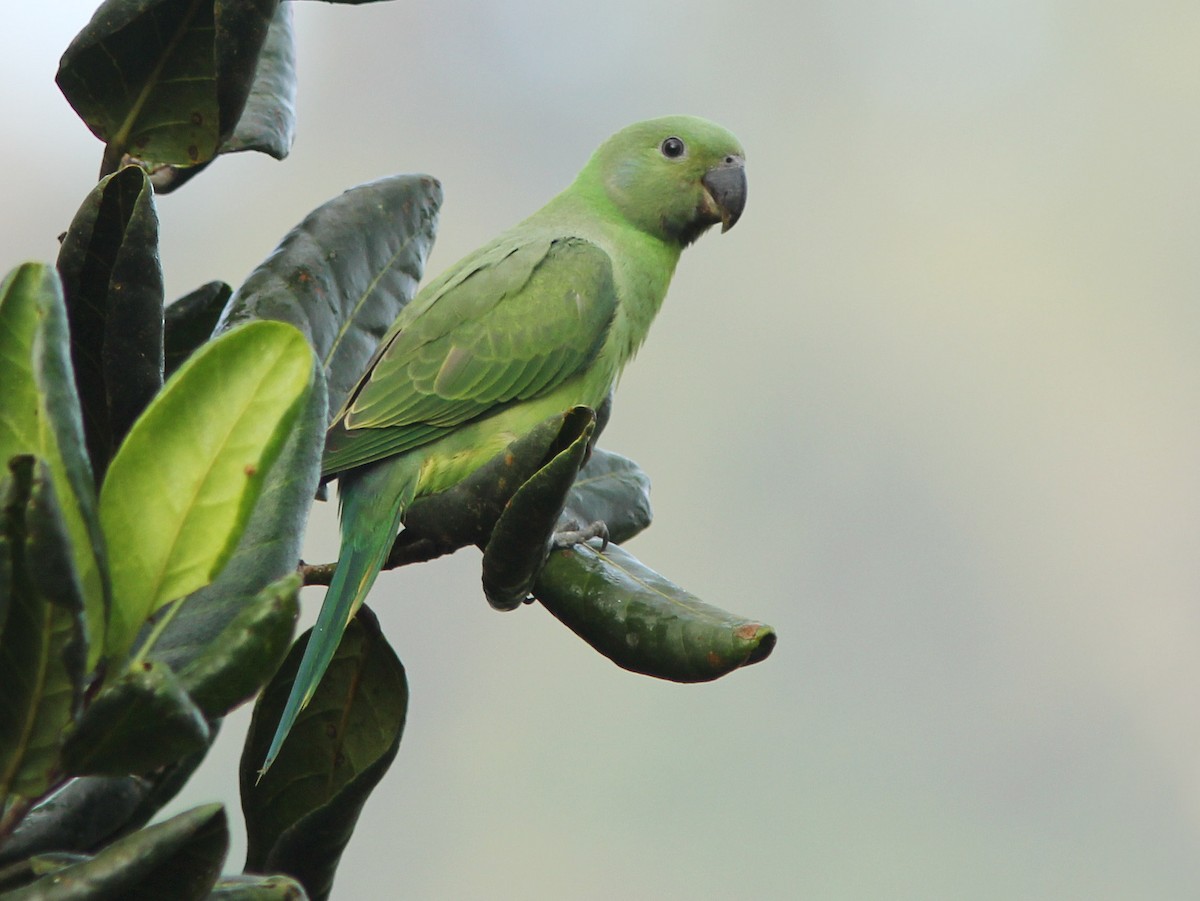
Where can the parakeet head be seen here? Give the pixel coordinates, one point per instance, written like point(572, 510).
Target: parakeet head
point(671, 177)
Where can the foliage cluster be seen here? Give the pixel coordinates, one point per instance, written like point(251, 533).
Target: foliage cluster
point(157, 466)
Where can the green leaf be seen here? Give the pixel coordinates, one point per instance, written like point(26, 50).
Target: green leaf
point(39, 415)
point(343, 274)
point(91, 811)
point(140, 722)
point(179, 858)
point(268, 551)
point(165, 81)
point(258, 888)
point(467, 513)
point(142, 75)
point(644, 623)
point(247, 651)
point(268, 122)
point(611, 489)
point(42, 644)
point(301, 813)
point(182, 486)
point(114, 291)
point(521, 537)
point(84, 814)
point(189, 322)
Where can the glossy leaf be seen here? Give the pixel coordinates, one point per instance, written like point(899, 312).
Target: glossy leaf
point(240, 659)
point(181, 488)
point(39, 415)
point(139, 722)
point(268, 121)
point(189, 322)
point(521, 537)
point(42, 644)
point(611, 489)
point(643, 622)
point(179, 858)
point(81, 816)
point(113, 284)
point(343, 274)
point(268, 551)
point(301, 813)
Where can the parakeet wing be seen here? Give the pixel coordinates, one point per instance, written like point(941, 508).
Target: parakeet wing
point(510, 325)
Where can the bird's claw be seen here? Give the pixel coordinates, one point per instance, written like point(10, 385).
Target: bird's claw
point(581, 535)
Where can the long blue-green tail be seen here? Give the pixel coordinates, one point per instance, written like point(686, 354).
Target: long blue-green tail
point(373, 501)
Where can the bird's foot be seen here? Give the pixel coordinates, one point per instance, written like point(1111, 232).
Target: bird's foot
point(577, 534)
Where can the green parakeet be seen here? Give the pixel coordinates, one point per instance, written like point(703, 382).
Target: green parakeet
point(539, 320)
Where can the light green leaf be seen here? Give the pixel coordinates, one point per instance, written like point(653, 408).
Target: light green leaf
point(39, 415)
point(181, 488)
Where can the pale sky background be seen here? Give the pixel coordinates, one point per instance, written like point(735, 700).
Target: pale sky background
point(931, 410)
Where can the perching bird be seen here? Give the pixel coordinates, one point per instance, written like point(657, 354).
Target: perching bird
point(541, 319)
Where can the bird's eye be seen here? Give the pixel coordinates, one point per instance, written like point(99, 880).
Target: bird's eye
point(672, 148)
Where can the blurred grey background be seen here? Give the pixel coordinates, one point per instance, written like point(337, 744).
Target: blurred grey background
point(931, 410)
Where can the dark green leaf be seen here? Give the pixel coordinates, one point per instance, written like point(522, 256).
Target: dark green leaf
point(190, 321)
point(611, 489)
point(644, 623)
point(165, 81)
point(114, 290)
point(268, 122)
point(269, 548)
point(241, 32)
point(91, 811)
point(247, 651)
point(138, 723)
point(343, 274)
point(178, 859)
point(39, 415)
point(299, 816)
point(143, 76)
point(520, 540)
point(467, 513)
point(258, 888)
point(81, 816)
point(42, 646)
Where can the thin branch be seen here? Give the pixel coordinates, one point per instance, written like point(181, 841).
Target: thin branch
point(406, 549)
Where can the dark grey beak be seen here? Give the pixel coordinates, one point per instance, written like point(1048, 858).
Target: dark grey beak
point(726, 185)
